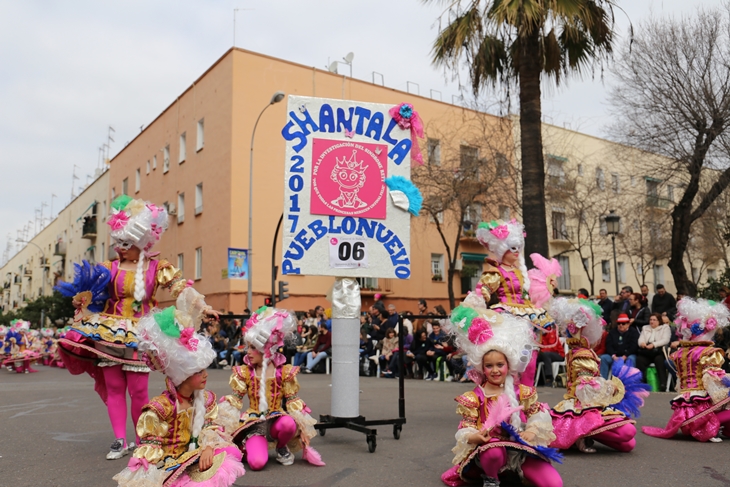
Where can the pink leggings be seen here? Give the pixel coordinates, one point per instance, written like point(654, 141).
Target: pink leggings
point(620, 439)
point(724, 417)
point(118, 382)
point(538, 472)
point(282, 430)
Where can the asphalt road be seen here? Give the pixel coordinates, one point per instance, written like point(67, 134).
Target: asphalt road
point(54, 432)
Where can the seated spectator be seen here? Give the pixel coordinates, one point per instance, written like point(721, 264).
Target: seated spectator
point(386, 346)
point(365, 325)
point(394, 364)
point(600, 347)
point(466, 367)
point(654, 337)
point(321, 348)
point(662, 301)
point(407, 323)
point(638, 314)
point(377, 317)
point(441, 347)
point(440, 311)
point(551, 350)
point(310, 338)
point(621, 342)
point(419, 349)
point(366, 351)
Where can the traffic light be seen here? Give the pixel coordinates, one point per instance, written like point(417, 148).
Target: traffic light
point(267, 302)
point(283, 289)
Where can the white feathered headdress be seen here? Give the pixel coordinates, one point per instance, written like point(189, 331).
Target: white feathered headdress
point(572, 315)
point(500, 236)
point(699, 319)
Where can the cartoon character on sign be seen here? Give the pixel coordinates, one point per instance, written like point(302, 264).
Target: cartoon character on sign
point(350, 176)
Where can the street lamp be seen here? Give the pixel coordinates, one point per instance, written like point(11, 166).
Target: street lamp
point(275, 98)
point(613, 226)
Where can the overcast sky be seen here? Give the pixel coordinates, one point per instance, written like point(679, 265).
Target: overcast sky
point(70, 69)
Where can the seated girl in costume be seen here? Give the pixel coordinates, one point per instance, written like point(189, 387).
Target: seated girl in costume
point(275, 412)
point(593, 408)
point(181, 442)
point(505, 276)
point(701, 407)
point(19, 354)
point(503, 426)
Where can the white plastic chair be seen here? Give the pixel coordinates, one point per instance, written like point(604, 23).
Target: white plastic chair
point(557, 365)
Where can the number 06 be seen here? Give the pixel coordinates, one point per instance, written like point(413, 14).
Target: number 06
point(356, 250)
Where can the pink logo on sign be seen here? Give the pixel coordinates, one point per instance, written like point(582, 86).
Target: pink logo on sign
point(348, 178)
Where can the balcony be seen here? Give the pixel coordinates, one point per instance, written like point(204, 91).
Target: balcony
point(89, 228)
point(17, 280)
point(45, 263)
point(657, 202)
point(562, 233)
point(60, 248)
point(28, 273)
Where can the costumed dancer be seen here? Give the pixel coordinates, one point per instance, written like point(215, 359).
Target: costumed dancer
point(701, 407)
point(275, 412)
point(19, 354)
point(4, 346)
point(503, 426)
point(181, 441)
point(48, 345)
point(103, 338)
point(593, 408)
point(505, 275)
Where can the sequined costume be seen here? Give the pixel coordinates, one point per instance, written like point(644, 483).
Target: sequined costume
point(18, 348)
point(280, 396)
point(111, 335)
point(586, 411)
point(701, 406)
point(165, 434)
point(474, 408)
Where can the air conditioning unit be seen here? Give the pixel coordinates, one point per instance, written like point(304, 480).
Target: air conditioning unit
point(171, 210)
point(459, 264)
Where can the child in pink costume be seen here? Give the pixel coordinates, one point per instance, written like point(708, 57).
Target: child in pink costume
point(20, 353)
point(275, 412)
point(182, 443)
point(505, 275)
point(593, 408)
point(503, 425)
point(701, 407)
point(104, 344)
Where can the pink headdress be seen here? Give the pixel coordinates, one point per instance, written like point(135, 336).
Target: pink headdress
point(266, 331)
point(699, 319)
point(136, 222)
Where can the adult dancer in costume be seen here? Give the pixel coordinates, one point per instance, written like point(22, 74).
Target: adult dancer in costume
point(181, 442)
point(503, 426)
point(18, 348)
point(275, 412)
point(103, 339)
point(505, 275)
point(593, 408)
point(701, 407)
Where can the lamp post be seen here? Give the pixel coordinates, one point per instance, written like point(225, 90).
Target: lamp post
point(613, 227)
point(275, 98)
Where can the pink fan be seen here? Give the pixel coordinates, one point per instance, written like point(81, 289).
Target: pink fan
point(499, 410)
point(541, 278)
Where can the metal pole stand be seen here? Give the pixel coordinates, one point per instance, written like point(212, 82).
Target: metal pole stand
point(346, 307)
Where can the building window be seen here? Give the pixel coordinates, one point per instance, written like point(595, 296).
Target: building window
point(695, 274)
point(670, 193)
point(154, 162)
point(555, 172)
point(615, 183)
point(166, 159)
point(640, 269)
point(199, 199)
point(560, 230)
point(200, 141)
point(621, 272)
point(439, 217)
point(434, 152)
point(502, 166)
point(711, 274)
point(437, 267)
point(586, 264)
point(181, 263)
point(114, 193)
point(180, 208)
point(633, 181)
point(580, 169)
point(198, 263)
point(103, 252)
point(658, 274)
point(183, 149)
point(564, 280)
point(606, 270)
point(600, 179)
point(469, 156)
point(137, 180)
point(148, 166)
point(125, 184)
point(504, 212)
point(652, 192)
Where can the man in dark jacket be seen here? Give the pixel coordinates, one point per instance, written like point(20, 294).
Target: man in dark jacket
point(606, 305)
point(663, 301)
point(621, 342)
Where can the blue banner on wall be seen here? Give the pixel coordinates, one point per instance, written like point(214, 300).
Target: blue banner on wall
point(237, 264)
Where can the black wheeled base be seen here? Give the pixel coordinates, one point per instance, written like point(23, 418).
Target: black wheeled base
point(359, 424)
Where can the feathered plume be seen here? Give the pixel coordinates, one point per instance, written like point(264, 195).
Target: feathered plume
point(552, 454)
point(405, 194)
point(499, 411)
point(90, 286)
point(541, 291)
point(636, 390)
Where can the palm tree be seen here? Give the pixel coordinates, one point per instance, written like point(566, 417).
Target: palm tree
point(512, 43)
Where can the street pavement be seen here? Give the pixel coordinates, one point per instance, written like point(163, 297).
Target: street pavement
point(54, 432)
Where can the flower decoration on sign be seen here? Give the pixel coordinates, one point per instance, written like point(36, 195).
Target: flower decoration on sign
point(408, 119)
point(480, 331)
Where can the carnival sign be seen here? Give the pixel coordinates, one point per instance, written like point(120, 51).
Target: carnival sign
point(347, 178)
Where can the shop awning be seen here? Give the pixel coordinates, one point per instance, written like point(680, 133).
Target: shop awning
point(472, 257)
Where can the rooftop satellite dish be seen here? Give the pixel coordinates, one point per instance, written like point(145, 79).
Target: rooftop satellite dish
point(349, 57)
point(332, 67)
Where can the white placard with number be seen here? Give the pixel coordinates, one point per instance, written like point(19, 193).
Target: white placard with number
point(348, 253)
